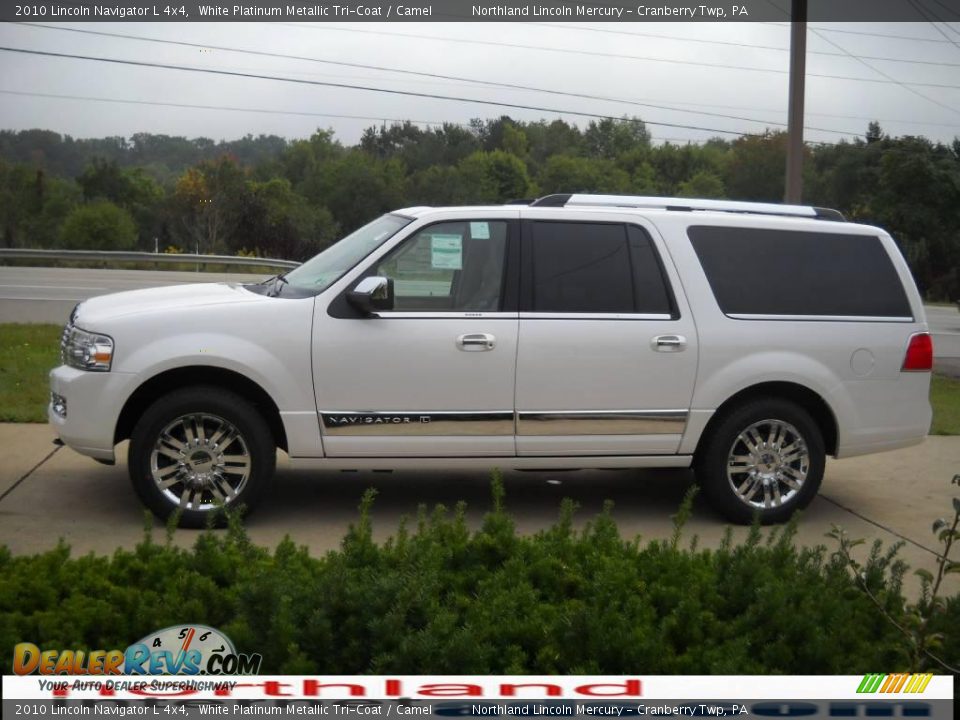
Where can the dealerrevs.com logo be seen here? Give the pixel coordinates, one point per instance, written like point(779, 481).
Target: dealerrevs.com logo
point(176, 650)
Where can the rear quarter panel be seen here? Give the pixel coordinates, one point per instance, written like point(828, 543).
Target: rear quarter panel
point(876, 406)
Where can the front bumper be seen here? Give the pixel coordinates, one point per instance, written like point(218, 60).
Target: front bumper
point(94, 401)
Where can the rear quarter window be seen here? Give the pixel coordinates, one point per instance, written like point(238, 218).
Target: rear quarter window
point(755, 271)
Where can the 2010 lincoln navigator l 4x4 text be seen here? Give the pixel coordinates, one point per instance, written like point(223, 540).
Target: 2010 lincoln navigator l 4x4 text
point(580, 331)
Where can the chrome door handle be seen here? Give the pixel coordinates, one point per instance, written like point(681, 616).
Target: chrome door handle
point(668, 343)
point(476, 342)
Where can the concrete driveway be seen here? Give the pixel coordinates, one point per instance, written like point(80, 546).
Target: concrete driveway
point(48, 493)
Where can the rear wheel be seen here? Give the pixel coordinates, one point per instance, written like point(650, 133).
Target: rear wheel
point(763, 458)
point(200, 450)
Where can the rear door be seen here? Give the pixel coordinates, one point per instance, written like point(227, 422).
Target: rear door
point(607, 351)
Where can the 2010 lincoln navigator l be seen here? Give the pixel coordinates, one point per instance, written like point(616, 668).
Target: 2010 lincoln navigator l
point(746, 340)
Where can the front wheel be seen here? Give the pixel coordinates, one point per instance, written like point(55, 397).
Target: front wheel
point(200, 450)
point(763, 458)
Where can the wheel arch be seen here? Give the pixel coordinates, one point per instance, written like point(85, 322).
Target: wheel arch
point(808, 399)
point(164, 382)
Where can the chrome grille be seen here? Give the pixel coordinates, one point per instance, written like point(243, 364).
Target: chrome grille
point(63, 342)
point(66, 333)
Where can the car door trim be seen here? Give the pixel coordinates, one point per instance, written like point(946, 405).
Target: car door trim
point(428, 315)
point(822, 318)
point(418, 422)
point(594, 316)
point(601, 422)
point(504, 422)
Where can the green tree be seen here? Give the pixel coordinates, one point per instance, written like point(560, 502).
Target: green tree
point(303, 159)
point(33, 205)
point(610, 138)
point(554, 138)
point(438, 185)
point(515, 141)
point(676, 164)
point(874, 133)
point(99, 225)
point(356, 187)
point(130, 188)
point(277, 222)
point(495, 177)
point(757, 168)
point(702, 185)
point(205, 205)
point(918, 201)
point(563, 173)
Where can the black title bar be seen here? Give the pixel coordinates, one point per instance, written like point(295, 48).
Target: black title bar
point(640, 11)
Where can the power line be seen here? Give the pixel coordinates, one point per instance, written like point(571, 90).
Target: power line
point(408, 93)
point(871, 118)
point(619, 56)
point(871, 67)
point(477, 81)
point(924, 14)
point(228, 108)
point(949, 10)
point(905, 86)
point(859, 32)
point(401, 71)
point(190, 106)
point(729, 43)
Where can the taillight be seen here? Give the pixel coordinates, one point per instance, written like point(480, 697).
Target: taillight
point(919, 357)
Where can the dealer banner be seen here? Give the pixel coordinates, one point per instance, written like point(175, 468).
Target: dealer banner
point(904, 695)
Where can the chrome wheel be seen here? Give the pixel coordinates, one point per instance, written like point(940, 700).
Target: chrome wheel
point(200, 461)
point(768, 464)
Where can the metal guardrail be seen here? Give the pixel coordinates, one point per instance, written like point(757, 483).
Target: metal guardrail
point(122, 256)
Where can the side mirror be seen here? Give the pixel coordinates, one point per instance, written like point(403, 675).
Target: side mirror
point(372, 294)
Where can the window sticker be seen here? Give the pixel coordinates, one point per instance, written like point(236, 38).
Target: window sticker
point(480, 230)
point(446, 252)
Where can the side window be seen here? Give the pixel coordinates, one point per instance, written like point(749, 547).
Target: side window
point(596, 268)
point(650, 287)
point(449, 267)
point(755, 271)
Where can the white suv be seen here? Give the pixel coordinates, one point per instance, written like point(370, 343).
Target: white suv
point(579, 331)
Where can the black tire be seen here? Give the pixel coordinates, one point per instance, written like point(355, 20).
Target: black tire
point(764, 472)
point(201, 472)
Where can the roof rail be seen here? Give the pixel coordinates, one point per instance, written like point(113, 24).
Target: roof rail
point(687, 205)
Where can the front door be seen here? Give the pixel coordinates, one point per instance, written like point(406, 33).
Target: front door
point(607, 350)
point(435, 376)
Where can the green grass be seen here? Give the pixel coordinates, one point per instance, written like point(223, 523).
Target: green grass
point(27, 353)
point(945, 398)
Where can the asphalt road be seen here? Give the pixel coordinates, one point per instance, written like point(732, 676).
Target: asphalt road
point(47, 295)
point(945, 325)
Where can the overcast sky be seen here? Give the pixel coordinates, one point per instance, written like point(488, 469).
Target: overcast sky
point(587, 59)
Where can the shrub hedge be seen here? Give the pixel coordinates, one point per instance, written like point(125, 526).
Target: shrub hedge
point(441, 598)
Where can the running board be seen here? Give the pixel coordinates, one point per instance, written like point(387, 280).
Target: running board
point(591, 462)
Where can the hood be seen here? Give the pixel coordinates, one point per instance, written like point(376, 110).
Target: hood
point(162, 299)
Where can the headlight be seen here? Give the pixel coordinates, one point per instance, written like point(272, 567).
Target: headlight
point(86, 350)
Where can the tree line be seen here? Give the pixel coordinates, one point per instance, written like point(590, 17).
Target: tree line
point(289, 199)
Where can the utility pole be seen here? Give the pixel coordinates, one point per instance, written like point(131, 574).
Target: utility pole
point(798, 69)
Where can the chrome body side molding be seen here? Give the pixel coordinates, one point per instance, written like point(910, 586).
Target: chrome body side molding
point(505, 422)
point(602, 422)
point(822, 318)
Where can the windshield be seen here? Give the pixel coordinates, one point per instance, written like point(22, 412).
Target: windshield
point(321, 271)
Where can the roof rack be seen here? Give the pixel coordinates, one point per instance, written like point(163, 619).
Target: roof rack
point(687, 205)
